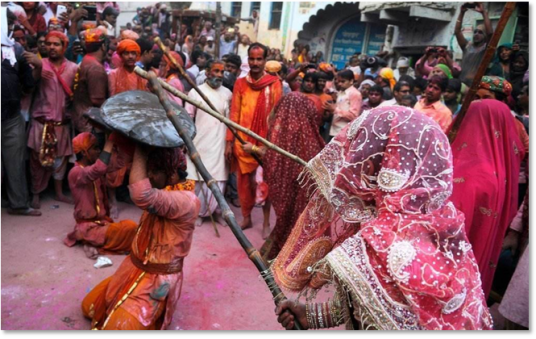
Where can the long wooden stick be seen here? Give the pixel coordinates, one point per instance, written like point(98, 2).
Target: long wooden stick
point(488, 55)
point(194, 86)
point(228, 215)
point(221, 118)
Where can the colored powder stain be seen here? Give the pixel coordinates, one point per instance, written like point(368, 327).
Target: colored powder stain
point(220, 285)
point(160, 292)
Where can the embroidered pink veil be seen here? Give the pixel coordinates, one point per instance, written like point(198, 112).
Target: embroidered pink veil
point(380, 225)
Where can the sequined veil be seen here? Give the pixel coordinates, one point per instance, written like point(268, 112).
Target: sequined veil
point(380, 227)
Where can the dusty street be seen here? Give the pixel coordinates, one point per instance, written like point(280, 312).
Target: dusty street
point(44, 281)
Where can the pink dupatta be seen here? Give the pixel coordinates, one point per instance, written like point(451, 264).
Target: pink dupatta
point(487, 155)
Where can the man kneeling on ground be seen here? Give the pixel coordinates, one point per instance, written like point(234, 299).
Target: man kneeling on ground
point(94, 227)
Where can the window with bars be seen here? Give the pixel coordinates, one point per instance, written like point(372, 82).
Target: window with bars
point(236, 9)
point(275, 18)
point(255, 6)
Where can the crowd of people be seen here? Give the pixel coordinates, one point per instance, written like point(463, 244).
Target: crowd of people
point(414, 231)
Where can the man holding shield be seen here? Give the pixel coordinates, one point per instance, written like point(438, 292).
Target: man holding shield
point(143, 292)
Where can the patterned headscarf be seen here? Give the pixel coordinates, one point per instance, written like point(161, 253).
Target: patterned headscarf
point(128, 45)
point(63, 38)
point(496, 84)
point(83, 142)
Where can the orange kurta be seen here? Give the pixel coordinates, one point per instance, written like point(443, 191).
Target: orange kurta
point(242, 109)
point(166, 231)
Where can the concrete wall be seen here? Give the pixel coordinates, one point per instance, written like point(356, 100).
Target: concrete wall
point(415, 34)
point(411, 35)
point(128, 12)
point(294, 16)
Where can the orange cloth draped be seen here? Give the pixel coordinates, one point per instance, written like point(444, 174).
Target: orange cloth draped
point(119, 237)
point(243, 107)
point(128, 321)
point(252, 103)
point(121, 80)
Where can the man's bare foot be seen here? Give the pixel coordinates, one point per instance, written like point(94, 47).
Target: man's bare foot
point(24, 211)
point(246, 223)
point(198, 221)
point(266, 231)
point(91, 252)
point(36, 202)
point(65, 199)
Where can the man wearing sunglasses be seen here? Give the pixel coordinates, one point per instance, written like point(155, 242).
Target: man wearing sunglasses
point(473, 51)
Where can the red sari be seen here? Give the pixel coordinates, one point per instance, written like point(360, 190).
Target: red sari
point(487, 155)
point(294, 112)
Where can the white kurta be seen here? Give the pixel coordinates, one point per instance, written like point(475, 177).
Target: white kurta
point(210, 138)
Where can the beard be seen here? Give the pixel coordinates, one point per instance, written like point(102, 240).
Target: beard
point(214, 82)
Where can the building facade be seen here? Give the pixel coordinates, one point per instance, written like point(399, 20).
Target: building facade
point(339, 29)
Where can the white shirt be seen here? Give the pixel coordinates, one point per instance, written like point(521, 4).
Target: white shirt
point(210, 137)
point(201, 77)
point(194, 70)
point(391, 102)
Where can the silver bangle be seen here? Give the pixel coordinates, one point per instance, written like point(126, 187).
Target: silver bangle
point(320, 316)
point(313, 316)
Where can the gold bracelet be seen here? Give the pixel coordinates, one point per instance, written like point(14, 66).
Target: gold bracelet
point(254, 149)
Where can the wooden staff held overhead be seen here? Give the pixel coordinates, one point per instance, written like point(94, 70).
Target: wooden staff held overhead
point(194, 86)
point(488, 55)
point(228, 215)
point(221, 118)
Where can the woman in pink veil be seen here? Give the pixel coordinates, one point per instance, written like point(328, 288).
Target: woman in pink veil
point(487, 154)
point(381, 229)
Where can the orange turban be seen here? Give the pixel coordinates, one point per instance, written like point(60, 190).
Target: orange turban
point(93, 36)
point(272, 66)
point(63, 38)
point(83, 142)
point(128, 45)
point(325, 67)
